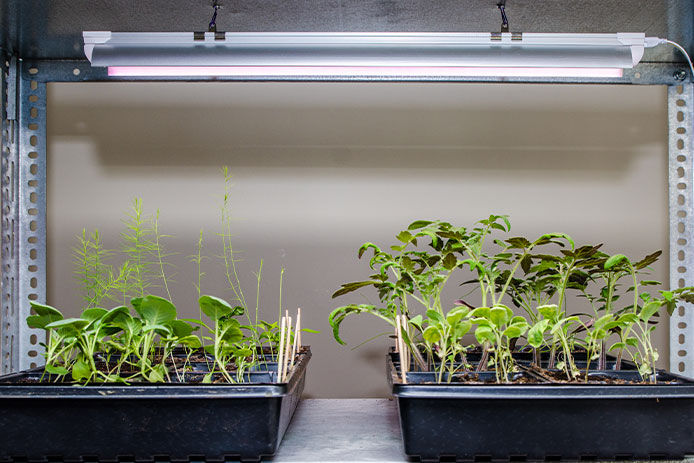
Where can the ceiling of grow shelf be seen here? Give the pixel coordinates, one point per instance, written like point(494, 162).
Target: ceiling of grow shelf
point(51, 29)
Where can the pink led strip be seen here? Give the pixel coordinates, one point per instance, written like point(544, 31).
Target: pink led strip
point(348, 71)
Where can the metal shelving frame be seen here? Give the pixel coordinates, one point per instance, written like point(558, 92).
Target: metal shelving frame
point(23, 109)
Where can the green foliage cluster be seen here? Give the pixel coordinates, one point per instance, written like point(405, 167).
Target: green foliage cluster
point(533, 275)
point(151, 345)
point(142, 339)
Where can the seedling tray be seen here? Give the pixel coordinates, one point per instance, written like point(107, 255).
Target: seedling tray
point(484, 422)
point(146, 422)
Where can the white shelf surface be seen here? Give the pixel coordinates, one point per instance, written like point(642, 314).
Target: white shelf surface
point(346, 431)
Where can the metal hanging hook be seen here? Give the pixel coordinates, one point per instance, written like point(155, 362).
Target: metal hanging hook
point(212, 27)
point(504, 19)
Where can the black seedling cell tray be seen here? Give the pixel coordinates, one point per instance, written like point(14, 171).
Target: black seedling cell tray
point(543, 421)
point(146, 422)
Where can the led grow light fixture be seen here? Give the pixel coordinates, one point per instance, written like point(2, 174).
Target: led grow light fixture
point(362, 55)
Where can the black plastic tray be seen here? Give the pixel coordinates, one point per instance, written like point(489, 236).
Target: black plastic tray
point(484, 422)
point(146, 422)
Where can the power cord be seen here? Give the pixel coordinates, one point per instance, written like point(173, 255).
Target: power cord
point(654, 41)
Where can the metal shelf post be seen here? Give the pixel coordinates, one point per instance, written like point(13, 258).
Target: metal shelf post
point(681, 212)
point(23, 184)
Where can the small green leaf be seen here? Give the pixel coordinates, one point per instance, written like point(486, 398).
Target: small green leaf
point(417, 224)
point(431, 335)
point(614, 260)
point(404, 236)
point(484, 334)
point(349, 287)
point(450, 262)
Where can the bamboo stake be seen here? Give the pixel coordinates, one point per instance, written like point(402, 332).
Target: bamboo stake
point(399, 343)
point(280, 351)
point(405, 347)
point(298, 327)
point(287, 348)
point(296, 339)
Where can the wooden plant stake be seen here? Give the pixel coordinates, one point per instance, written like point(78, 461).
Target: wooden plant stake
point(298, 327)
point(287, 348)
point(280, 351)
point(296, 340)
point(399, 344)
point(406, 350)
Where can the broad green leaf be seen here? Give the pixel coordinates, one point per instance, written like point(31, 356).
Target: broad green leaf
point(156, 375)
point(518, 243)
point(117, 314)
point(160, 329)
point(80, 370)
point(41, 321)
point(454, 317)
point(548, 311)
point(648, 260)
point(461, 329)
point(155, 310)
point(180, 328)
point(431, 335)
point(633, 342)
point(56, 370)
point(349, 287)
point(75, 323)
point(191, 341)
point(435, 316)
point(46, 310)
point(649, 310)
point(481, 312)
point(214, 307)
point(628, 318)
point(484, 334)
point(94, 314)
point(231, 331)
point(617, 345)
point(536, 333)
point(518, 319)
point(602, 321)
point(417, 321)
point(499, 316)
point(513, 331)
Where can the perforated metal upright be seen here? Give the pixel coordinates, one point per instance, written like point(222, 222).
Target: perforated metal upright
point(23, 212)
point(681, 211)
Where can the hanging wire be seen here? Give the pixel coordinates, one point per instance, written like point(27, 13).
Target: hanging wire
point(504, 20)
point(213, 22)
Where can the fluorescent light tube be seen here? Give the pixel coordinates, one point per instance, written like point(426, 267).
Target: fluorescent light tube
point(316, 55)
